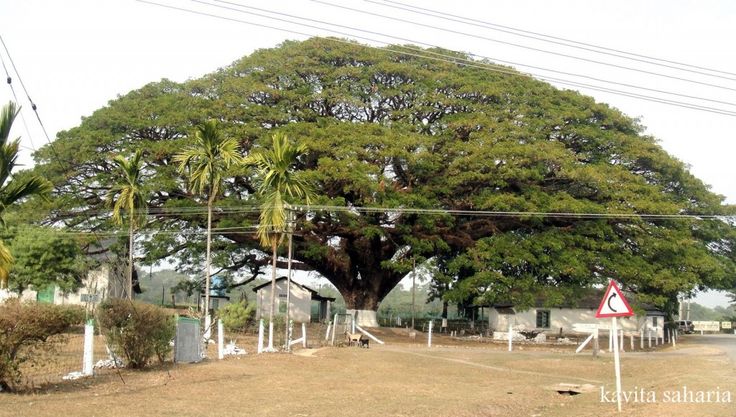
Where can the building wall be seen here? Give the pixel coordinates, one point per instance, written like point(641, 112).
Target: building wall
point(564, 318)
point(300, 302)
point(101, 282)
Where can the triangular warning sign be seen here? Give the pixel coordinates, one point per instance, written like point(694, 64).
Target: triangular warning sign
point(614, 303)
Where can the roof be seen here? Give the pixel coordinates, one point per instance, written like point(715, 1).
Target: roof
point(315, 294)
point(589, 299)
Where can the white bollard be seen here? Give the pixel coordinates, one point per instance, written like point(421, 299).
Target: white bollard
point(220, 340)
point(260, 336)
point(304, 335)
point(429, 337)
point(207, 328)
point(329, 326)
point(334, 327)
point(674, 338)
point(649, 336)
point(641, 338)
point(511, 337)
point(631, 339)
point(89, 347)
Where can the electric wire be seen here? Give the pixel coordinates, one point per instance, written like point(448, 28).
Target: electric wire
point(43, 128)
point(457, 32)
point(9, 81)
point(553, 39)
point(453, 60)
point(429, 45)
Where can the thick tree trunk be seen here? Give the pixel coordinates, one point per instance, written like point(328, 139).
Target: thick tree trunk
point(356, 270)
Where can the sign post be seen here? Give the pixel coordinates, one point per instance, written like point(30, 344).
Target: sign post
point(614, 305)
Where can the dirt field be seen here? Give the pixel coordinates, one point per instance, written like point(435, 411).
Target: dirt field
point(398, 379)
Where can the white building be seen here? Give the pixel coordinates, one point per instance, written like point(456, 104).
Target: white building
point(559, 320)
point(300, 301)
point(100, 284)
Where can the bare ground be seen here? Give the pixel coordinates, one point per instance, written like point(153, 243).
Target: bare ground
point(403, 378)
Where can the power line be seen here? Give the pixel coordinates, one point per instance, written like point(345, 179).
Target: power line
point(552, 39)
point(472, 213)
point(451, 60)
point(9, 81)
point(43, 128)
point(457, 32)
point(413, 41)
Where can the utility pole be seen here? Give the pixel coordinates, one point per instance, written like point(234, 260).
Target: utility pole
point(413, 289)
point(290, 231)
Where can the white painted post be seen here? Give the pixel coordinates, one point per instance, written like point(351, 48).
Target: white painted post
point(429, 337)
point(616, 363)
point(334, 327)
point(641, 338)
point(631, 340)
point(304, 335)
point(289, 332)
point(207, 328)
point(596, 347)
point(260, 336)
point(220, 340)
point(649, 336)
point(352, 322)
point(511, 337)
point(674, 338)
point(329, 326)
point(270, 334)
point(622, 341)
point(89, 347)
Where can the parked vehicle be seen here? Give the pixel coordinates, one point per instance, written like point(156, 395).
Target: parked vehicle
point(685, 326)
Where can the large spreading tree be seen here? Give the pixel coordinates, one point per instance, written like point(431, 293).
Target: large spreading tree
point(435, 141)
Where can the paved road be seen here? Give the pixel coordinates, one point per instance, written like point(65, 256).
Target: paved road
point(726, 342)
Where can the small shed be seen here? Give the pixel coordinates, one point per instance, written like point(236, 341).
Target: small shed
point(300, 300)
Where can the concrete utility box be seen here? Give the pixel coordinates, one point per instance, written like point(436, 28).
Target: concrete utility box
point(188, 341)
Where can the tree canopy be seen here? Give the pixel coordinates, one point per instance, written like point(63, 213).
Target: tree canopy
point(437, 143)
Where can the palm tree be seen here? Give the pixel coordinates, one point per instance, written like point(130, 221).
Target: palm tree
point(278, 183)
point(128, 195)
point(13, 189)
point(208, 161)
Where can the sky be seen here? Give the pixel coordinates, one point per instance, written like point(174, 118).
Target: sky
point(75, 56)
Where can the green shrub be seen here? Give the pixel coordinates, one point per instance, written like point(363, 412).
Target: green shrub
point(27, 329)
point(237, 316)
point(137, 331)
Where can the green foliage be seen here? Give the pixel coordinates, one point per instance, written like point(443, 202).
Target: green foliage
point(28, 329)
point(128, 193)
point(278, 186)
point(44, 257)
point(137, 331)
point(166, 280)
point(700, 312)
point(237, 316)
point(387, 130)
point(13, 189)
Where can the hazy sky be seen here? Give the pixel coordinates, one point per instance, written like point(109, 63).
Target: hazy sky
point(76, 55)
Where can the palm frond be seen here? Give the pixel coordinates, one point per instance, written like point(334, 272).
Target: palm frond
point(18, 189)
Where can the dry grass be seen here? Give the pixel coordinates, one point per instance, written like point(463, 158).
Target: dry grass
point(399, 379)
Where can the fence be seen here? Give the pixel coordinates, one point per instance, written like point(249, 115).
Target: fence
point(51, 366)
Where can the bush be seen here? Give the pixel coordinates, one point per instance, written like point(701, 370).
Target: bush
point(27, 329)
point(237, 316)
point(137, 331)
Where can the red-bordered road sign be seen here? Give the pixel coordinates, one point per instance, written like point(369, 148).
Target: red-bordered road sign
point(614, 303)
